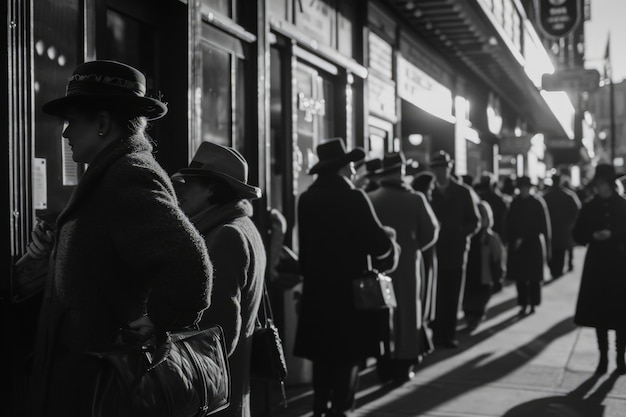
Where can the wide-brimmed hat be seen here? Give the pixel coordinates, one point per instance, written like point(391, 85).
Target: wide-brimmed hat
point(213, 160)
point(422, 181)
point(441, 158)
point(108, 82)
point(372, 166)
point(332, 155)
point(392, 162)
point(605, 172)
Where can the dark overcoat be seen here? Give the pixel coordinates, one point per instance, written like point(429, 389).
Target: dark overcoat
point(238, 255)
point(457, 211)
point(337, 230)
point(409, 213)
point(527, 219)
point(601, 299)
point(563, 207)
point(123, 249)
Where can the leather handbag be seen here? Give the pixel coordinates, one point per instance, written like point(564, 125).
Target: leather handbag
point(186, 374)
point(373, 290)
point(267, 358)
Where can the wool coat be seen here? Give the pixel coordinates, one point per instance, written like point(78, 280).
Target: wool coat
point(123, 249)
point(238, 255)
point(529, 220)
point(337, 229)
point(602, 292)
point(563, 207)
point(409, 213)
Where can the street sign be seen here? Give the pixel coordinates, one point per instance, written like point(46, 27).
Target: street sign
point(571, 80)
point(558, 18)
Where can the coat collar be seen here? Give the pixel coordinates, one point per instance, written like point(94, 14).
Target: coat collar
point(213, 216)
point(98, 168)
point(332, 181)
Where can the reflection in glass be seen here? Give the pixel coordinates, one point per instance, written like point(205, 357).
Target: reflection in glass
point(216, 95)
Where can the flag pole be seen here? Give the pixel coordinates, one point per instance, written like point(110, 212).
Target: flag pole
point(608, 72)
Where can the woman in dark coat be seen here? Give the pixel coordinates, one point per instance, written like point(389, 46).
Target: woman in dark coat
point(601, 226)
point(528, 236)
point(338, 230)
point(125, 254)
point(215, 194)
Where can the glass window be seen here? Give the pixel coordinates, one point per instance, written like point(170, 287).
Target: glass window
point(216, 95)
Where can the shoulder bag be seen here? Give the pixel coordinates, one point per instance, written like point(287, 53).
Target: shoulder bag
point(373, 290)
point(186, 374)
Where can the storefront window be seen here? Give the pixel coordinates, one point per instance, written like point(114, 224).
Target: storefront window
point(216, 98)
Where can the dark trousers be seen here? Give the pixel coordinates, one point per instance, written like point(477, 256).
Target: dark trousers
point(557, 262)
point(528, 292)
point(334, 382)
point(570, 258)
point(450, 284)
point(603, 341)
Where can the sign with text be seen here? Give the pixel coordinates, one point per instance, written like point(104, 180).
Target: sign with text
point(558, 18)
point(571, 80)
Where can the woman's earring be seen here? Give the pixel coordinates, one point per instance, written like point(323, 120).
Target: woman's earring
point(100, 133)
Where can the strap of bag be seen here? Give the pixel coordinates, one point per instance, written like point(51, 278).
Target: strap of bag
point(265, 309)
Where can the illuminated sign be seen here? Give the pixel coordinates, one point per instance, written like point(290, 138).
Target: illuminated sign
point(558, 18)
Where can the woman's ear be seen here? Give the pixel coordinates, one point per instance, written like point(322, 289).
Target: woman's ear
point(104, 123)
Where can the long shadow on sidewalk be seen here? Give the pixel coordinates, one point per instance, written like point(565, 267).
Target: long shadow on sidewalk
point(468, 376)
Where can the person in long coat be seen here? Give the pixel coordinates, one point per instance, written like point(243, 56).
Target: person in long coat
point(338, 230)
point(528, 243)
point(215, 194)
point(563, 207)
point(409, 213)
point(125, 255)
point(456, 208)
point(601, 227)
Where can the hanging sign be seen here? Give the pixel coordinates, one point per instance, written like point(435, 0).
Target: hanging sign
point(558, 18)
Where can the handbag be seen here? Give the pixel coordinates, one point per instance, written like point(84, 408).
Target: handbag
point(373, 290)
point(185, 374)
point(267, 358)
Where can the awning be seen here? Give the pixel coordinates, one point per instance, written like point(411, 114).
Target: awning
point(465, 32)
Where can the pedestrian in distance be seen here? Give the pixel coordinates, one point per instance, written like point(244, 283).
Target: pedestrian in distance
point(409, 213)
point(368, 180)
point(528, 244)
point(456, 207)
point(215, 194)
point(338, 230)
point(124, 255)
point(601, 227)
point(485, 267)
point(563, 207)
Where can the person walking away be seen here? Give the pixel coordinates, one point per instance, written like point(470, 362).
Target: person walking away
point(368, 179)
point(124, 255)
point(563, 207)
point(406, 211)
point(456, 208)
point(528, 237)
point(601, 227)
point(214, 192)
point(485, 267)
point(338, 230)
point(424, 182)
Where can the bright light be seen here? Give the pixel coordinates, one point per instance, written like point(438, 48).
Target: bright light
point(602, 135)
point(562, 107)
point(416, 139)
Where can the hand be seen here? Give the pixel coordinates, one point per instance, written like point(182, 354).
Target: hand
point(517, 243)
point(602, 234)
point(42, 241)
point(142, 328)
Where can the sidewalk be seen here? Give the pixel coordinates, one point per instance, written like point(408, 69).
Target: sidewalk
point(535, 366)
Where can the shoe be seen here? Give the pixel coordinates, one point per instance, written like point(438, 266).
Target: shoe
point(532, 310)
point(522, 311)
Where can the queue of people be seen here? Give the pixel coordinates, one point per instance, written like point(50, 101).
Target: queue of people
point(138, 249)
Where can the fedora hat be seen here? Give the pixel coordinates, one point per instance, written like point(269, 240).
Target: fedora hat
point(441, 158)
point(332, 154)
point(392, 162)
point(213, 160)
point(109, 82)
point(373, 166)
point(605, 172)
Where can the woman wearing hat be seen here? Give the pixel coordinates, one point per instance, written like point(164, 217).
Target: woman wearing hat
point(338, 230)
point(601, 226)
point(215, 194)
point(124, 254)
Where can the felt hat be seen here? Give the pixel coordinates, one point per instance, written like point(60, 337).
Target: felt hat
point(392, 162)
point(605, 172)
point(107, 82)
point(422, 181)
point(441, 158)
point(373, 166)
point(213, 160)
point(332, 155)
point(523, 181)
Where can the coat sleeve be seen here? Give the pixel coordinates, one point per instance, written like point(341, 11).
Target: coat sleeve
point(427, 223)
point(231, 262)
point(156, 239)
point(471, 215)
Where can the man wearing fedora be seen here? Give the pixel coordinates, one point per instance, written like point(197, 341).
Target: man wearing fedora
point(528, 236)
point(125, 255)
point(337, 231)
point(214, 192)
point(601, 227)
point(456, 208)
point(409, 213)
